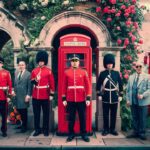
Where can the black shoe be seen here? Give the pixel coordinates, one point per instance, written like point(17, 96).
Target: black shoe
point(133, 135)
point(105, 132)
point(143, 137)
point(70, 138)
point(4, 134)
point(85, 138)
point(46, 133)
point(36, 133)
point(19, 127)
point(113, 132)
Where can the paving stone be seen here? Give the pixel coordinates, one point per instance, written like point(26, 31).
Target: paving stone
point(121, 142)
point(61, 140)
point(38, 142)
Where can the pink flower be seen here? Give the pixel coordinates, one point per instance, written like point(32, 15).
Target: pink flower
point(126, 14)
point(98, 9)
point(135, 25)
point(126, 76)
point(113, 10)
point(123, 7)
point(112, 1)
point(130, 34)
point(118, 14)
point(119, 41)
point(109, 19)
point(118, 28)
point(133, 38)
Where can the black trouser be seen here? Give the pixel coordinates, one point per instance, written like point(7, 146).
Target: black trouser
point(37, 104)
point(24, 117)
point(139, 116)
point(112, 110)
point(3, 112)
point(80, 107)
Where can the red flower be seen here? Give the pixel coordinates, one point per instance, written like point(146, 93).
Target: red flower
point(135, 25)
point(98, 9)
point(133, 1)
point(106, 10)
point(141, 41)
point(113, 10)
point(119, 41)
point(126, 41)
point(112, 1)
point(98, 1)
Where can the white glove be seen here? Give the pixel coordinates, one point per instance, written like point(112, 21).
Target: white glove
point(38, 77)
point(65, 103)
point(87, 103)
point(8, 99)
point(51, 98)
point(27, 98)
point(120, 98)
point(100, 98)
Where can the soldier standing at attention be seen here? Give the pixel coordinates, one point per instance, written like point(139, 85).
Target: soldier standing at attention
point(5, 92)
point(109, 89)
point(43, 90)
point(76, 96)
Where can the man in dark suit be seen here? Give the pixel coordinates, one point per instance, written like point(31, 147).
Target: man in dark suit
point(22, 92)
point(109, 88)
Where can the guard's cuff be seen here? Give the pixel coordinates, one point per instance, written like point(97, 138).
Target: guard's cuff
point(63, 98)
point(34, 82)
point(88, 98)
point(52, 94)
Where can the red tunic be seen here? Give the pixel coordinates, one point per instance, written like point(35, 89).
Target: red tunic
point(5, 84)
point(76, 85)
point(45, 85)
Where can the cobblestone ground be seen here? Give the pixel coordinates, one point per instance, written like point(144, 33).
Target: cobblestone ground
point(17, 139)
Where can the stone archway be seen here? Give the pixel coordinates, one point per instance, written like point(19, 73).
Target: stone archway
point(74, 18)
point(12, 29)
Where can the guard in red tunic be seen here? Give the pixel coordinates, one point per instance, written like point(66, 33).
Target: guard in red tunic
point(5, 92)
point(43, 91)
point(76, 96)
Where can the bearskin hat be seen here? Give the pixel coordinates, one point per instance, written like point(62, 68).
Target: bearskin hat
point(1, 60)
point(42, 56)
point(109, 59)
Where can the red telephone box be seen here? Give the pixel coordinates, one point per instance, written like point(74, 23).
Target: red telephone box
point(73, 44)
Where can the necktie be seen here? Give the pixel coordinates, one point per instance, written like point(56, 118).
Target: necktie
point(20, 75)
point(137, 79)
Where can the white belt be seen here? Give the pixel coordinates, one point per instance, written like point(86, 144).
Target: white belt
point(75, 87)
point(105, 89)
point(42, 87)
point(4, 88)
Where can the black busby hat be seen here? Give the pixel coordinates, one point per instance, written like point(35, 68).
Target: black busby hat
point(109, 59)
point(74, 57)
point(1, 60)
point(42, 56)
